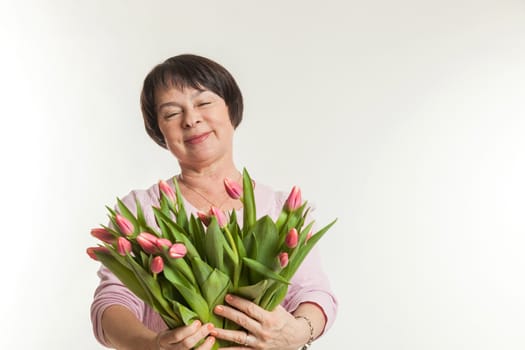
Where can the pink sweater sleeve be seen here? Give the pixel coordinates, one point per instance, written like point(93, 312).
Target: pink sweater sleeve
point(310, 284)
point(109, 292)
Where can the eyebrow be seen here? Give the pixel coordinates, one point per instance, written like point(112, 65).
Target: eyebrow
point(175, 104)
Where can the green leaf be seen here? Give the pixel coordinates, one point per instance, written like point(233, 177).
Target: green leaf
point(263, 270)
point(275, 298)
point(187, 315)
point(175, 276)
point(152, 288)
point(141, 220)
point(253, 292)
point(182, 267)
point(303, 251)
point(213, 245)
point(123, 273)
point(197, 234)
point(294, 219)
point(201, 270)
point(128, 214)
point(215, 288)
point(248, 201)
point(195, 301)
point(182, 217)
point(168, 291)
point(265, 234)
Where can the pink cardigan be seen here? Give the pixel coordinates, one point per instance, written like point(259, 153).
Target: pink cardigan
point(309, 284)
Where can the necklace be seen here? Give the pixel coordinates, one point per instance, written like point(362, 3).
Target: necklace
point(194, 190)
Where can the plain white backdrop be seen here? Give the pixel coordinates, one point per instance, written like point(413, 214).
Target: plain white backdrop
point(404, 119)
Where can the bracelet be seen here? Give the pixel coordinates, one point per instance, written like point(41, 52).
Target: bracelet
point(309, 342)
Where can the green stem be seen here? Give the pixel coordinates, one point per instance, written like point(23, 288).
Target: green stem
point(236, 268)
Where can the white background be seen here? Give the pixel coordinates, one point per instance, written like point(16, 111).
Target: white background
point(404, 119)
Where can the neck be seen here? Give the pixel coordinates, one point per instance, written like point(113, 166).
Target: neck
point(204, 187)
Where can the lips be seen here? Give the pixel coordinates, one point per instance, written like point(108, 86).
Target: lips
point(195, 139)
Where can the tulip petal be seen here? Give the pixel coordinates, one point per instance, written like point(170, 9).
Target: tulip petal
point(166, 190)
point(294, 200)
point(233, 188)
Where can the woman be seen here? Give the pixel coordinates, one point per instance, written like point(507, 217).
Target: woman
point(191, 106)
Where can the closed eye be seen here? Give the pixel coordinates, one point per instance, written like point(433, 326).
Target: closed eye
point(171, 115)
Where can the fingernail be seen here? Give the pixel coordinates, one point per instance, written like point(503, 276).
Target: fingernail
point(210, 326)
point(197, 323)
point(214, 333)
point(212, 340)
point(219, 308)
point(229, 297)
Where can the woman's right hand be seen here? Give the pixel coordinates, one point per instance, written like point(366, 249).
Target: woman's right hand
point(186, 337)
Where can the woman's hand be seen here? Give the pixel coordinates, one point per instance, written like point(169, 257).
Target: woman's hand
point(263, 329)
point(187, 337)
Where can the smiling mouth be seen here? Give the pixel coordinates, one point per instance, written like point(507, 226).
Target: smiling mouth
point(197, 138)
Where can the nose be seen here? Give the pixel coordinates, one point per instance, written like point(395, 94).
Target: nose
point(192, 117)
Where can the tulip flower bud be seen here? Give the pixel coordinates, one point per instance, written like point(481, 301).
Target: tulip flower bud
point(177, 251)
point(294, 200)
point(219, 215)
point(162, 243)
point(123, 246)
point(283, 259)
point(103, 234)
point(204, 218)
point(167, 190)
point(233, 188)
point(308, 236)
point(157, 265)
point(292, 238)
point(148, 242)
point(124, 224)
point(92, 250)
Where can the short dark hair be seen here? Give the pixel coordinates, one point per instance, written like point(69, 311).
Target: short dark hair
point(184, 71)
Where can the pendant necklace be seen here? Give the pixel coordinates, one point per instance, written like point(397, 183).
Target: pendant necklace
point(181, 181)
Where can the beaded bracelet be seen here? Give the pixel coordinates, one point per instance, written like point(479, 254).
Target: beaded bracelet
point(309, 342)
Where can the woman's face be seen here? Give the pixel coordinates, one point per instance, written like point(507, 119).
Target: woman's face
point(196, 125)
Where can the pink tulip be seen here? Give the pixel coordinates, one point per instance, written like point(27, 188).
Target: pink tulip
point(123, 246)
point(157, 265)
point(283, 259)
point(177, 251)
point(294, 200)
point(204, 218)
point(308, 236)
point(148, 242)
point(292, 238)
point(219, 215)
point(167, 190)
point(162, 243)
point(103, 234)
point(233, 188)
point(124, 224)
point(92, 250)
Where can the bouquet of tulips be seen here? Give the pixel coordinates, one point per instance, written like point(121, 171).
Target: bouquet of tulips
point(186, 266)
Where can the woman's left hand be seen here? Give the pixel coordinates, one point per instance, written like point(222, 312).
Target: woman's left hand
point(262, 329)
